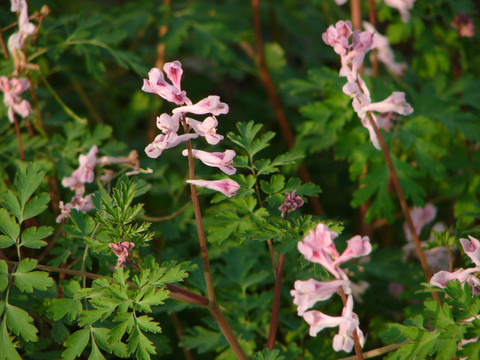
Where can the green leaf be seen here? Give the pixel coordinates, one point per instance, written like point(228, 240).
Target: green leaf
point(3, 276)
point(27, 181)
point(268, 355)
point(202, 339)
point(8, 225)
point(35, 206)
point(11, 204)
point(20, 323)
point(32, 237)
point(140, 344)
point(95, 353)
point(276, 184)
point(6, 242)
point(247, 131)
point(102, 339)
point(26, 280)
point(146, 323)
point(153, 297)
point(58, 308)
point(75, 344)
point(8, 351)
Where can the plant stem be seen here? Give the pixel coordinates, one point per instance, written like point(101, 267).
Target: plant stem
point(19, 138)
point(201, 233)
point(166, 217)
point(179, 331)
point(227, 331)
point(403, 204)
point(356, 13)
point(176, 292)
point(213, 305)
point(380, 351)
point(277, 292)
point(274, 99)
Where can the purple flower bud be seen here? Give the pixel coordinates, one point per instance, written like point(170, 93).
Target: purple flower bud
point(291, 203)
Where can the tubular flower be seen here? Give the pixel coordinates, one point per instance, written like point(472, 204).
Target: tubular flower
point(209, 105)
point(207, 129)
point(227, 187)
point(216, 159)
point(309, 292)
point(156, 84)
point(85, 172)
point(403, 7)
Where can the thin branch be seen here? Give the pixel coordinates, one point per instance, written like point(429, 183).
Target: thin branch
point(178, 329)
point(19, 138)
point(356, 12)
point(380, 351)
point(166, 217)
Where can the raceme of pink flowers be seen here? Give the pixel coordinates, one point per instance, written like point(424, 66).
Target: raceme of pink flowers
point(319, 247)
point(12, 88)
point(170, 125)
point(291, 203)
point(352, 54)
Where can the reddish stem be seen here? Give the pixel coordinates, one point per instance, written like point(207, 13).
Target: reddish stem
point(356, 12)
point(19, 138)
point(356, 342)
point(277, 292)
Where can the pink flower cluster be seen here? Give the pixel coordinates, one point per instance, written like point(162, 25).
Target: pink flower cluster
point(170, 125)
point(472, 249)
point(85, 173)
point(122, 250)
point(318, 247)
point(352, 55)
point(12, 88)
point(463, 24)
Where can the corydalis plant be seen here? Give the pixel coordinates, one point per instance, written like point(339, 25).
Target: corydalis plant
point(318, 247)
point(170, 125)
point(352, 55)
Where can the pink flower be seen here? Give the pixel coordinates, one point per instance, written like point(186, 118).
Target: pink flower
point(174, 72)
point(207, 128)
point(25, 27)
point(441, 278)
point(420, 217)
point(384, 51)
point(319, 321)
point(463, 25)
point(85, 171)
point(402, 6)
point(307, 293)
point(318, 247)
point(349, 324)
point(228, 187)
point(167, 123)
point(357, 246)
point(83, 204)
point(394, 103)
point(156, 84)
point(472, 249)
point(122, 250)
point(167, 141)
point(12, 88)
point(337, 36)
point(209, 105)
point(216, 159)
